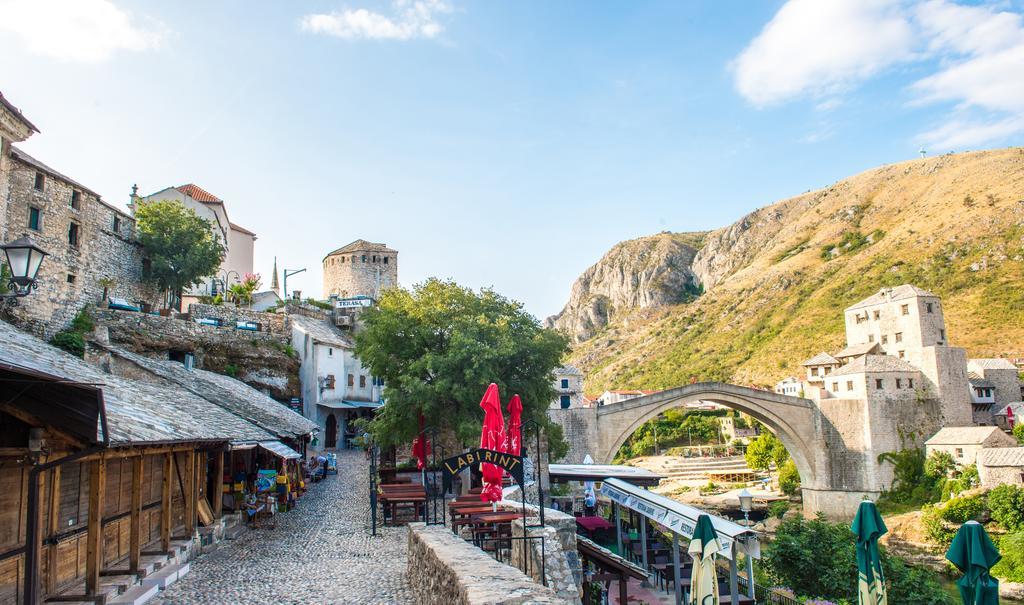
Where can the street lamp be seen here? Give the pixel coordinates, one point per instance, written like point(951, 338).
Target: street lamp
point(746, 505)
point(288, 273)
point(24, 258)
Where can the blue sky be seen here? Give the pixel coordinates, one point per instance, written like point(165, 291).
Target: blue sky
point(501, 144)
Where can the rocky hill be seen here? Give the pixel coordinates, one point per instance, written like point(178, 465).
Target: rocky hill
point(638, 274)
point(775, 282)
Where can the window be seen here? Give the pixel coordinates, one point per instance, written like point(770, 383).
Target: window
point(928, 307)
point(835, 386)
point(901, 354)
point(374, 258)
point(73, 234)
point(828, 370)
point(362, 382)
point(871, 338)
point(364, 258)
point(877, 314)
point(878, 383)
point(849, 385)
point(885, 339)
point(910, 383)
point(899, 383)
point(76, 200)
point(814, 371)
point(565, 383)
point(899, 336)
point(385, 260)
point(117, 224)
point(565, 401)
point(330, 351)
point(329, 381)
point(341, 260)
point(905, 309)
point(861, 318)
point(959, 452)
point(71, 278)
point(40, 181)
point(353, 258)
point(942, 334)
point(35, 218)
point(351, 380)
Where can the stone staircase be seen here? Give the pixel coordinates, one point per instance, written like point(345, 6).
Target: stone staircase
point(696, 469)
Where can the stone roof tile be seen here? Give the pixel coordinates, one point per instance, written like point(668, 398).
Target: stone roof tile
point(855, 350)
point(891, 294)
point(964, 435)
point(361, 245)
point(1001, 456)
point(874, 363)
point(322, 331)
point(821, 359)
point(992, 364)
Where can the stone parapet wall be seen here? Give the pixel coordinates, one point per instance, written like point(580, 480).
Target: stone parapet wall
point(276, 324)
point(446, 570)
point(562, 569)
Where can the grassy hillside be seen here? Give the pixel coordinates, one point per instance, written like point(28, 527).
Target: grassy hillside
point(952, 224)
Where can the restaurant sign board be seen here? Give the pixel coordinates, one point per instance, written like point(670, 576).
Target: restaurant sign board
point(456, 464)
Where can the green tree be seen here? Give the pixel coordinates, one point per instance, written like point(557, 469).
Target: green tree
point(439, 345)
point(765, 451)
point(1006, 503)
point(789, 478)
point(1018, 432)
point(180, 245)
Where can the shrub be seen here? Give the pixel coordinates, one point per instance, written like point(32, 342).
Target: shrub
point(789, 478)
point(231, 370)
point(963, 509)
point(939, 464)
point(83, 322)
point(70, 341)
point(778, 509)
point(1011, 566)
point(1006, 503)
point(1018, 432)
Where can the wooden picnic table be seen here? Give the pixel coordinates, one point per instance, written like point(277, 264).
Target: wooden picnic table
point(498, 517)
point(394, 495)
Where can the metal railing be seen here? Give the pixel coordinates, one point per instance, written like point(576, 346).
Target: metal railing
point(500, 549)
point(766, 595)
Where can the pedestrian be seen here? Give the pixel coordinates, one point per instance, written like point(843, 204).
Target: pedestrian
point(322, 461)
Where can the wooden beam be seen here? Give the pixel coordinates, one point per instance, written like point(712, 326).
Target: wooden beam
point(189, 477)
point(147, 450)
point(218, 485)
point(51, 529)
point(35, 421)
point(135, 536)
point(94, 537)
point(165, 503)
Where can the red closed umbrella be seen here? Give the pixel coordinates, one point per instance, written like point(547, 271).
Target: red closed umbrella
point(492, 437)
point(421, 447)
point(515, 422)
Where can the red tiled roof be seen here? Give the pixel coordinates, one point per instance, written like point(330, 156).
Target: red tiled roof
point(199, 194)
point(241, 229)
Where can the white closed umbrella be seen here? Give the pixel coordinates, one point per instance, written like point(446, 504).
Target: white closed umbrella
point(703, 547)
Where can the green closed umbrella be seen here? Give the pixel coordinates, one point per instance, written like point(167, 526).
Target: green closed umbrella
point(974, 554)
point(868, 527)
point(703, 547)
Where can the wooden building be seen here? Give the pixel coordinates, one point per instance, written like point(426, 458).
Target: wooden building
point(98, 470)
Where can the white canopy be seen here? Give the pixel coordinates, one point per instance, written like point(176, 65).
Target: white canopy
point(681, 518)
point(280, 450)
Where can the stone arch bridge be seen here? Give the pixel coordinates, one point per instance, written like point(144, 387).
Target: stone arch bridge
point(832, 444)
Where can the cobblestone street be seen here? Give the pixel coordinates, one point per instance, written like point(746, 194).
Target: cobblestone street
point(321, 552)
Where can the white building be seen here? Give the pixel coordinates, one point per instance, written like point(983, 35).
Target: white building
point(238, 241)
point(964, 443)
point(336, 389)
point(569, 386)
point(791, 385)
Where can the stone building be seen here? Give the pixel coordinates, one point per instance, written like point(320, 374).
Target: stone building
point(14, 128)
point(90, 244)
point(360, 269)
point(569, 386)
point(964, 443)
point(238, 241)
point(995, 383)
point(999, 465)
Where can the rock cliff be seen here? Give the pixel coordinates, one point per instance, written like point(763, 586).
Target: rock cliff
point(646, 272)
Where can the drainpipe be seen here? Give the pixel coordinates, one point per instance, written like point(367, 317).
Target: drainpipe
point(31, 590)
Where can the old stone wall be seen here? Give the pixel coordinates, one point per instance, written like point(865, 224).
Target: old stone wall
point(275, 324)
point(262, 360)
point(561, 569)
point(444, 569)
point(70, 276)
point(579, 425)
point(359, 273)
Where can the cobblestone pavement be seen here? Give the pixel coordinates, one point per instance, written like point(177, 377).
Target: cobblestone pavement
point(321, 553)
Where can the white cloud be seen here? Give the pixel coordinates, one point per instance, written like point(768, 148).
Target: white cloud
point(409, 19)
point(821, 47)
point(87, 31)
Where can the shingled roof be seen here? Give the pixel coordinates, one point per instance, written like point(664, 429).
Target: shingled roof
point(1002, 456)
point(874, 363)
point(321, 331)
point(891, 294)
point(992, 364)
point(233, 395)
point(137, 412)
point(821, 359)
point(856, 350)
point(361, 245)
point(17, 112)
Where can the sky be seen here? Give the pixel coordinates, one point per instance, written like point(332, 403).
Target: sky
point(501, 144)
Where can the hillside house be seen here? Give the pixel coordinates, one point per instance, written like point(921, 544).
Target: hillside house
point(1009, 415)
point(568, 385)
point(1000, 465)
point(964, 443)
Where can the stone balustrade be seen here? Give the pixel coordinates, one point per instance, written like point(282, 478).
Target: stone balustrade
point(444, 569)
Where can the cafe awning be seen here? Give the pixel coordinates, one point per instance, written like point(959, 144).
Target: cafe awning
point(280, 450)
point(335, 405)
point(681, 518)
point(559, 473)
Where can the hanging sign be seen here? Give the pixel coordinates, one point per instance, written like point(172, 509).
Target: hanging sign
point(456, 464)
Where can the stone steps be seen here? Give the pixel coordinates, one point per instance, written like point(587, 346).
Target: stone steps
point(167, 575)
point(137, 595)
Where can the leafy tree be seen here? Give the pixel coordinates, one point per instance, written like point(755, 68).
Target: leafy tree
point(242, 292)
point(1006, 503)
point(939, 464)
point(439, 345)
point(180, 245)
point(789, 478)
point(817, 558)
point(1011, 567)
point(765, 451)
point(1018, 432)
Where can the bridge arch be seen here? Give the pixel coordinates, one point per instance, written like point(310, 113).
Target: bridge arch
point(790, 418)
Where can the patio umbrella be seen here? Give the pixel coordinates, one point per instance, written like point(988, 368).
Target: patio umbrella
point(703, 547)
point(868, 527)
point(492, 437)
point(421, 447)
point(513, 436)
point(974, 554)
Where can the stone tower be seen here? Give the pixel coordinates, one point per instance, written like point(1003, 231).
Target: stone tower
point(361, 268)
